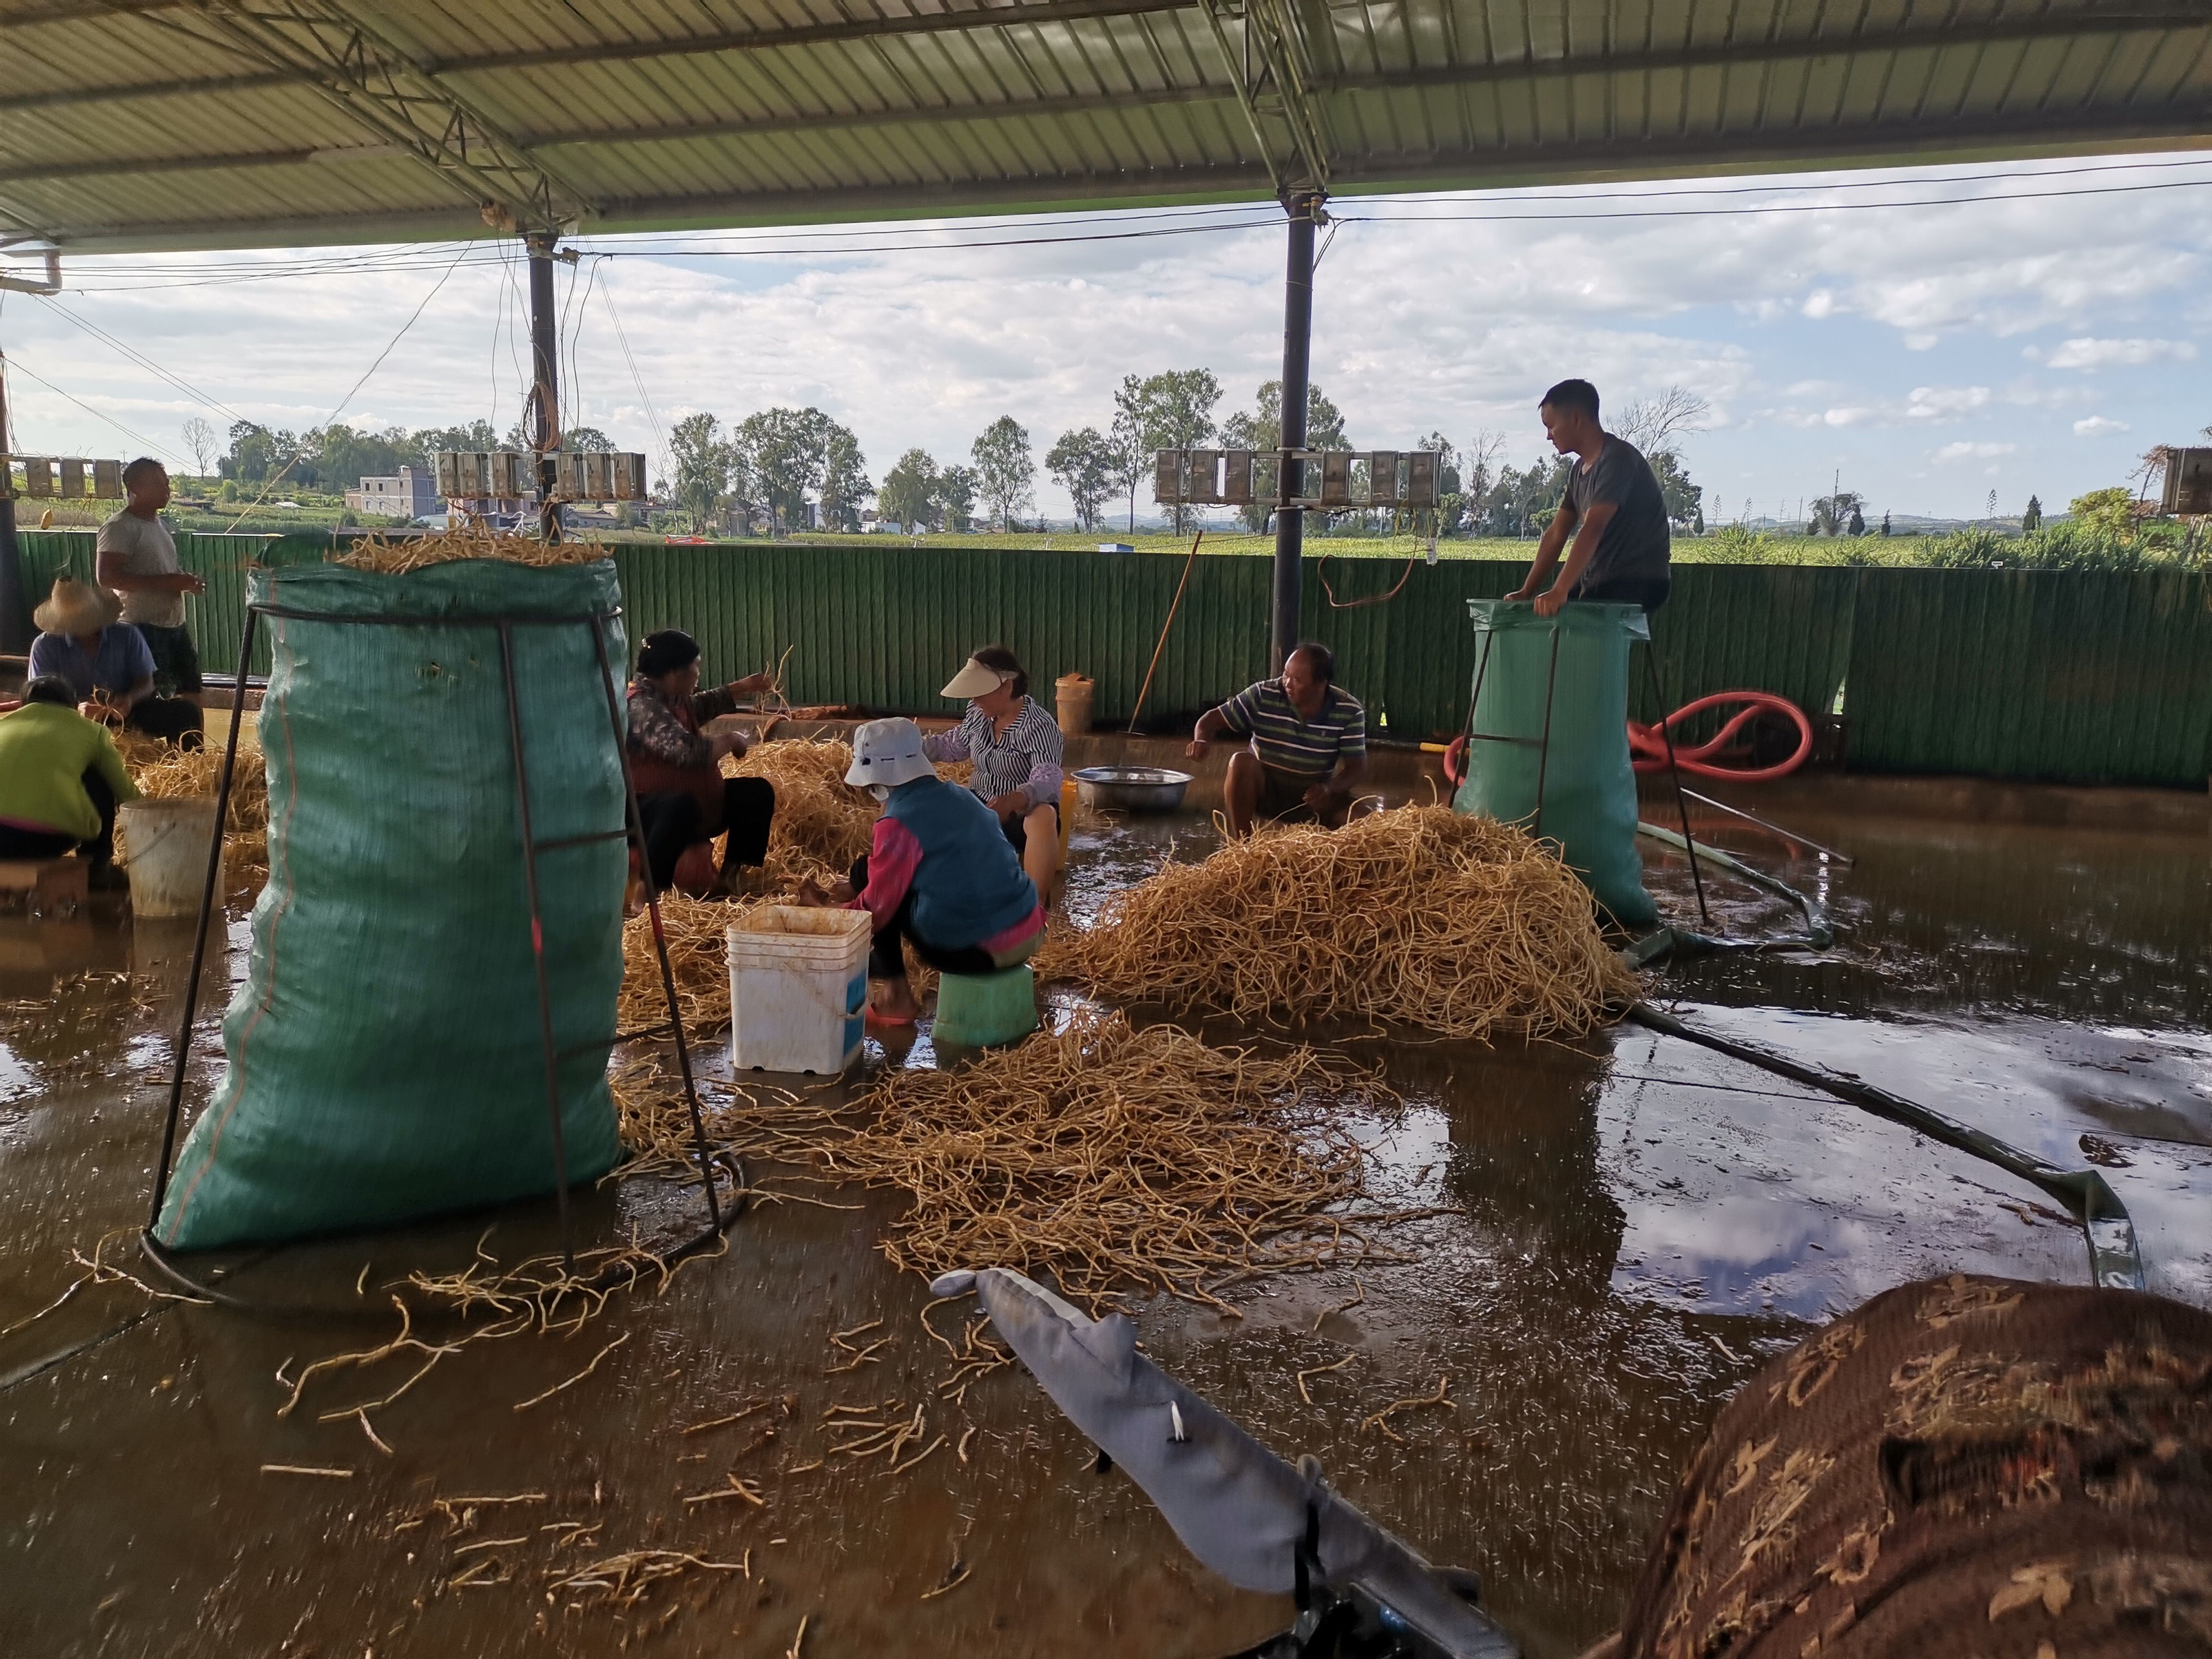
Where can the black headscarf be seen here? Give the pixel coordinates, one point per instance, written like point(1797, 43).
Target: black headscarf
point(665, 653)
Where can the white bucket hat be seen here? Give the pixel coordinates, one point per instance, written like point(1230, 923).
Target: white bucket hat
point(75, 607)
point(888, 753)
point(974, 679)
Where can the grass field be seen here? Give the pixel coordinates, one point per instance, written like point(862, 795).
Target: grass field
point(1688, 549)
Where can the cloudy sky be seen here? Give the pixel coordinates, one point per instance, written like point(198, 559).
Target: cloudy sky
point(2032, 332)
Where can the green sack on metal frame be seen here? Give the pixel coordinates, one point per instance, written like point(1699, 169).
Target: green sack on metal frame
point(384, 1056)
point(1588, 787)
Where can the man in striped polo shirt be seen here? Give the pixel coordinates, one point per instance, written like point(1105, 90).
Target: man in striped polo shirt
point(1308, 748)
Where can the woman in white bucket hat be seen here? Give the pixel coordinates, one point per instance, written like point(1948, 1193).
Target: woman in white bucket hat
point(939, 872)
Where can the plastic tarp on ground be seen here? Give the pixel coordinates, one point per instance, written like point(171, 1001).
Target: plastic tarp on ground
point(384, 1055)
point(1549, 747)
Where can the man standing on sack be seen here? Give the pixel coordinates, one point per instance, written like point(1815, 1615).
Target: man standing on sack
point(137, 559)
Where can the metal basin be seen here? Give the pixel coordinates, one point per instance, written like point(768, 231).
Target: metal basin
point(1132, 789)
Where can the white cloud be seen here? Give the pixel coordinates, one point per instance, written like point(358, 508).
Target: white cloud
point(2092, 355)
point(2097, 426)
point(1972, 452)
point(1794, 326)
point(1937, 403)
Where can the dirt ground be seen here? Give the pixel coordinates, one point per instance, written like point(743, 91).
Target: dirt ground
point(1644, 1222)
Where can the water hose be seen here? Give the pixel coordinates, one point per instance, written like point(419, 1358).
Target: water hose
point(2115, 1260)
point(1648, 743)
point(1819, 934)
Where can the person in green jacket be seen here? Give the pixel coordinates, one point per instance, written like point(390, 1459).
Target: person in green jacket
point(60, 781)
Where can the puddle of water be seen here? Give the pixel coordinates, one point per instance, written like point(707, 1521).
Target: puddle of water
point(1640, 1224)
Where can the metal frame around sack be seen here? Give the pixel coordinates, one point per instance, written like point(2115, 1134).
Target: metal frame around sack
point(594, 622)
point(1543, 745)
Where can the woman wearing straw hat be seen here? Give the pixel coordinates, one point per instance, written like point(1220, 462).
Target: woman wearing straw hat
point(82, 639)
point(1016, 747)
point(60, 782)
point(939, 872)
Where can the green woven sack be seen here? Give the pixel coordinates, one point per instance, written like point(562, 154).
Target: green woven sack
point(1589, 805)
point(384, 1056)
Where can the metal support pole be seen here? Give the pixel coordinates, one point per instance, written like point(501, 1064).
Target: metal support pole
point(545, 428)
point(537, 948)
point(181, 1052)
point(1298, 350)
point(635, 820)
point(1674, 772)
point(15, 604)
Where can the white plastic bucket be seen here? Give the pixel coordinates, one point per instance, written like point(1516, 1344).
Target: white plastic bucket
point(798, 988)
point(165, 848)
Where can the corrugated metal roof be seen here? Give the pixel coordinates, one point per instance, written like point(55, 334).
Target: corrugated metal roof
point(140, 123)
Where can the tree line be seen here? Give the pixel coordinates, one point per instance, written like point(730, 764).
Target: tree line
point(777, 468)
point(336, 457)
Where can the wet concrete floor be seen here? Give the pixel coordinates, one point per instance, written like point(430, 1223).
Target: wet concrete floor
point(1644, 1222)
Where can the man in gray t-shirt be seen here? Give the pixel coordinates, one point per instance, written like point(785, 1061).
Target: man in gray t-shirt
point(137, 560)
point(1613, 508)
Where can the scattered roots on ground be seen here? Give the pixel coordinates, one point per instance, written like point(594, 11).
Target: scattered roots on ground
point(405, 555)
point(1117, 1161)
point(1120, 1160)
point(1419, 915)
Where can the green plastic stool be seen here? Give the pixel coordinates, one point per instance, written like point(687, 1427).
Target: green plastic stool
point(978, 1011)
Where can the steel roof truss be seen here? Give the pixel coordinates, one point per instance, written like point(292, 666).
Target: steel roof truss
point(375, 82)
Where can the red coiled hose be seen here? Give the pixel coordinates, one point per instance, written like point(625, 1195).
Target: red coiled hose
point(1648, 747)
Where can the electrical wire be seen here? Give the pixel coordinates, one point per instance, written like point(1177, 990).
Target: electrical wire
point(134, 437)
point(515, 312)
point(1916, 181)
point(563, 360)
point(132, 354)
point(576, 343)
point(1776, 207)
point(953, 233)
point(660, 433)
point(389, 347)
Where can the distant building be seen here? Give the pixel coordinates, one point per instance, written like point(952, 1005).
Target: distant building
point(412, 495)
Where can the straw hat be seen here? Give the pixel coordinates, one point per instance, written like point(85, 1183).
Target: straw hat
point(77, 607)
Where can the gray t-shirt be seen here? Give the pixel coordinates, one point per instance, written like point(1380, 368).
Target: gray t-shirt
point(1635, 544)
point(145, 548)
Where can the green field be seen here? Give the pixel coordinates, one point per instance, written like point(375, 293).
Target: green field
point(1688, 549)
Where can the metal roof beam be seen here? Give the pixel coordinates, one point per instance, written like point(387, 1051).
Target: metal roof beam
point(1271, 77)
point(83, 11)
point(2138, 18)
point(136, 166)
point(358, 68)
point(1025, 109)
point(70, 97)
point(1028, 14)
point(2051, 26)
point(857, 120)
point(2053, 132)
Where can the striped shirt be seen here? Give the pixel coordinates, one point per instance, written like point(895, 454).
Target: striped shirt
point(1024, 756)
point(1287, 740)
